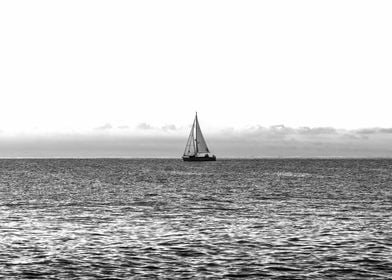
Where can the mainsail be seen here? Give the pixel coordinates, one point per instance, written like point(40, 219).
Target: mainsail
point(196, 143)
point(201, 145)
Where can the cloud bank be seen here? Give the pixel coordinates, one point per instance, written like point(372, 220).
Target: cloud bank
point(145, 140)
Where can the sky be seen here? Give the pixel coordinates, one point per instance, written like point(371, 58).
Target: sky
point(125, 78)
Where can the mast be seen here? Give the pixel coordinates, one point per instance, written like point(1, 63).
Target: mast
point(197, 123)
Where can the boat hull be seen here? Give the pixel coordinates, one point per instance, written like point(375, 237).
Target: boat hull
point(193, 158)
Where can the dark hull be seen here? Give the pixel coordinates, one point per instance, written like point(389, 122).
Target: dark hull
point(213, 158)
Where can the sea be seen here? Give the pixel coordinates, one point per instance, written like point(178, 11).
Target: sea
point(169, 219)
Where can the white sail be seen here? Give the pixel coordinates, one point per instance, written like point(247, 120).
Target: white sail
point(201, 145)
point(190, 148)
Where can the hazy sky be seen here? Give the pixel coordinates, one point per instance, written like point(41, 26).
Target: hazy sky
point(274, 141)
point(99, 69)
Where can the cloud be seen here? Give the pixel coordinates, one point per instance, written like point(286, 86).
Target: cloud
point(317, 131)
point(374, 130)
point(386, 130)
point(144, 126)
point(169, 127)
point(104, 127)
point(123, 127)
point(165, 128)
point(304, 134)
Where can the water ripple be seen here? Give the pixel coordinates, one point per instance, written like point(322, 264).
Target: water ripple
point(166, 219)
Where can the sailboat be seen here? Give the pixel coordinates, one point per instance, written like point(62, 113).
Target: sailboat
point(196, 148)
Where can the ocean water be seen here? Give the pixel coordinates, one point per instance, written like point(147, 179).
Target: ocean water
point(167, 219)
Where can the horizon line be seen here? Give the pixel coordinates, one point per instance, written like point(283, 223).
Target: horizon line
point(218, 158)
